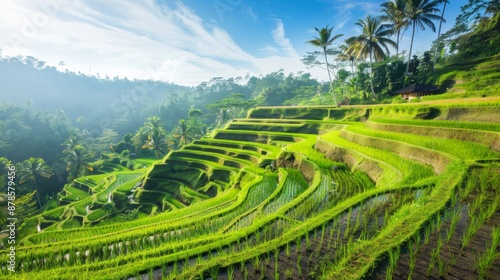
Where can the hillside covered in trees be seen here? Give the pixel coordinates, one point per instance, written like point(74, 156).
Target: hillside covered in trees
point(252, 177)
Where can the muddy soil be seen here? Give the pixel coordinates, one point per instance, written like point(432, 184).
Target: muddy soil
point(453, 262)
point(308, 259)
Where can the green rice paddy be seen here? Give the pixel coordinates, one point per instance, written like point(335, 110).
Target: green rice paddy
point(376, 192)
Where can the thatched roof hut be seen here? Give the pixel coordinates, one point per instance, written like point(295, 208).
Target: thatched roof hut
point(416, 90)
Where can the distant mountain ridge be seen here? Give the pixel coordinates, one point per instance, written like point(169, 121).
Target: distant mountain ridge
point(26, 78)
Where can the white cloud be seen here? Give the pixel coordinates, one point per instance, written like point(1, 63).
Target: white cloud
point(280, 39)
point(122, 38)
point(136, 39)
point(342, 20)
point(347, 10)
point(249, 12)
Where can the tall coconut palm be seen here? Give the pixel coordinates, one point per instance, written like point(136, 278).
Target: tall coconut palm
point(32, 169)
point(421, 13)
point(439, 33)
point(394, 12)
point(372, 43)
point(324, 41)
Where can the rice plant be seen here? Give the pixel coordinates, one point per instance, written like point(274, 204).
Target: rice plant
point(393, 261)
point(456, 216)
point(485, 260)
point(256, 213)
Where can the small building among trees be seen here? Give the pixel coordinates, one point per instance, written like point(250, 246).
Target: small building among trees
point(416, 90)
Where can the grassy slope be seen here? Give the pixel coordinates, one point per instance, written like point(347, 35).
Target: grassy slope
point(394, 149)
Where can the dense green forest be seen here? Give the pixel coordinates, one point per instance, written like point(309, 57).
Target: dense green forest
point(62, 128)
point(150, 118)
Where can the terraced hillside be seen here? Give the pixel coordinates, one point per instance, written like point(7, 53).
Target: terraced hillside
point(292, 193)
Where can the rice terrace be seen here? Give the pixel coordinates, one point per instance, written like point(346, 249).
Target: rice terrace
point(334, 180)
point(297, 192)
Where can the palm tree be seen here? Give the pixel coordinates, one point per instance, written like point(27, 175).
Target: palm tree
point(394, 12)
point(324, 41)
point(152, 124)
point(372, 43)
point(31, 169)
point(78, 161)
point(184, 133)
point(72, 143)
point(345, 55)
point(156, 139)
point(439, 33)
point(77, 157)
point(157, 142)
point(421, 13)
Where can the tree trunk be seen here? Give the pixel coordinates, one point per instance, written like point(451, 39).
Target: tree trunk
point(397, 44)
point(352, 68)
point(37, 194)
point(371, 76)
point(439, 35)
point(411, 46)
point(330, 78)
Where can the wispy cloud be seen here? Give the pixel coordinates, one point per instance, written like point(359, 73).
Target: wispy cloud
point(281, 40)
point(124, 38)
point(249, 12)
point(346, 11)
point(166, 39)
point(137, 39)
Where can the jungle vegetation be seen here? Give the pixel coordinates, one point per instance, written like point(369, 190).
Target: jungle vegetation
point(260, 176)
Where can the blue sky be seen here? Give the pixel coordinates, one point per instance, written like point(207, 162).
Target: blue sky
point(185, 42)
